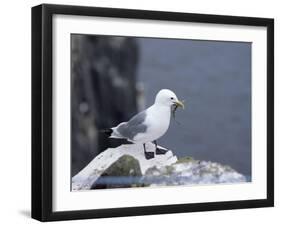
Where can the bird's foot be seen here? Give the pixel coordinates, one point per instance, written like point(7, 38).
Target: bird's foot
point(149, 155)
point(161, 151)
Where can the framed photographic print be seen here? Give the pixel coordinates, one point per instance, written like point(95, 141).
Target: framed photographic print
point(145, 112)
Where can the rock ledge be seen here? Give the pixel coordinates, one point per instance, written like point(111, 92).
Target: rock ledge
point(126, 166)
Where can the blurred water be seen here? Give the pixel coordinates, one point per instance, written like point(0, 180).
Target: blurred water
point(214, 79)
point(129, 181)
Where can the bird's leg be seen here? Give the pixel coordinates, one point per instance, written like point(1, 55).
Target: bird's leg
point(155, 144)
point(159, 151)
point(148, 154)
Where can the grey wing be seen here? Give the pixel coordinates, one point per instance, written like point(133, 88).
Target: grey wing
point(134, 126)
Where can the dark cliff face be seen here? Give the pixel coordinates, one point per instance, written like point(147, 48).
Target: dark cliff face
point(103, 91)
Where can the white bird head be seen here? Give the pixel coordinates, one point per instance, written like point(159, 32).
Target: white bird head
point(168, 98)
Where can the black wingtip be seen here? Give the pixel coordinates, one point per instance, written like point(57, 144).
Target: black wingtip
point(107, 131)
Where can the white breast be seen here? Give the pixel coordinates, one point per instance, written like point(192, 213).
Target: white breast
point(157, 121)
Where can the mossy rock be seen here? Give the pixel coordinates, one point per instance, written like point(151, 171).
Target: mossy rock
point(185, 159)
point(159, 172)
point(125, 172)
point(167, 170)
point(124, 166)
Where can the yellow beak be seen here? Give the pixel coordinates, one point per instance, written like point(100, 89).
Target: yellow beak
point(179, 104)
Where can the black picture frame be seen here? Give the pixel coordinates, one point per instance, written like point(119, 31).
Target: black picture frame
point(42, 108)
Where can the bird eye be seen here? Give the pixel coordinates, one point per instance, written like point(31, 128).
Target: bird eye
point(172, 98)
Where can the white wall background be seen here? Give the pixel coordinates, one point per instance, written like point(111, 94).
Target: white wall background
point(15, 114)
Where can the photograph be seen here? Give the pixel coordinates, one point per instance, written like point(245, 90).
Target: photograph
point(149, 112)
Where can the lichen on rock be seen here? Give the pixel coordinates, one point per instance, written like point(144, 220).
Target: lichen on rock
point(187, 171)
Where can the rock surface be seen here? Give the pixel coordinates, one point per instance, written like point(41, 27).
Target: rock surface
point(88, 176)
point(188, 171)
point(125, 172)
point(126, 166)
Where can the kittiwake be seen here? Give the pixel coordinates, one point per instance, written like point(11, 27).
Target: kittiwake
point(150, 124)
